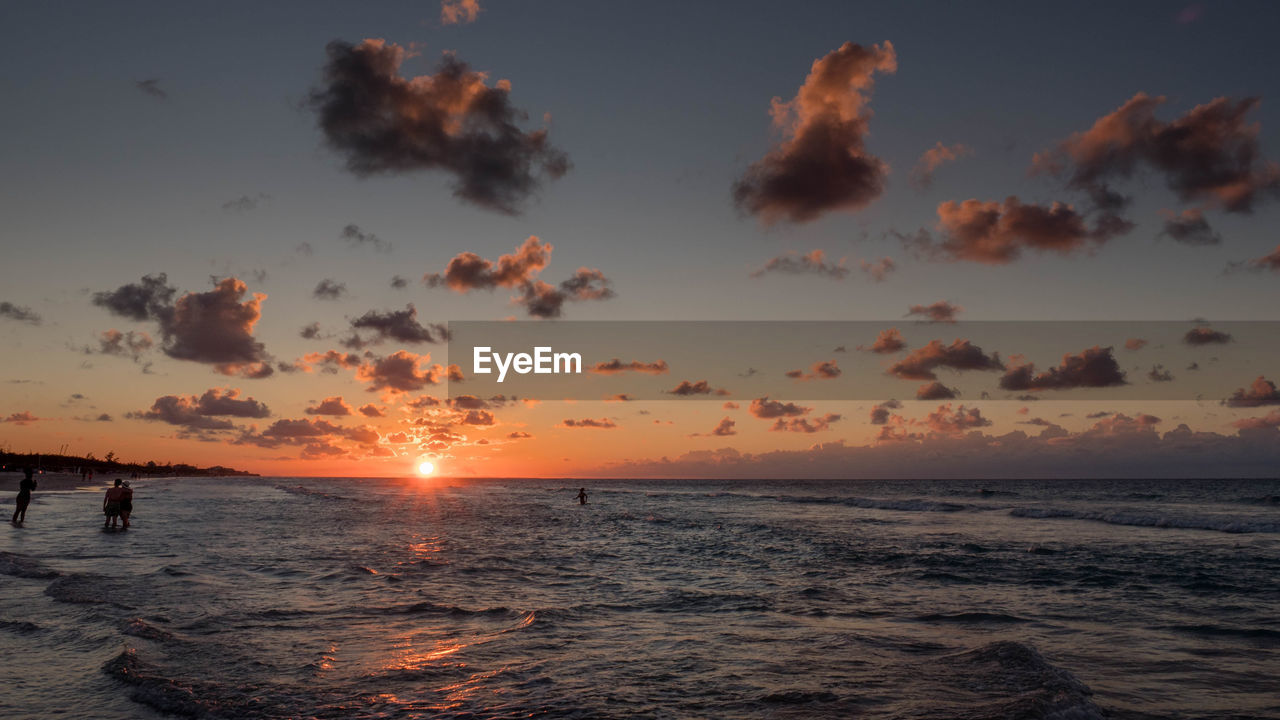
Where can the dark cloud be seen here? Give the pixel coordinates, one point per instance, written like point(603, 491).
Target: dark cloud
point(821, 370)
point(1209, 155)
point(805, 425)
point(1094, 367)
point(945, 421)
point(519, 435)
point(701, 387)
point(813, 263)
point(22, 418)
point(21, 314)
point(1189, 227)
point(887, 342)
point(310, 332)
point(1158, 373)
point(151, 298)
point(452, 121)
point(329, 289)
point(602, 423)
point(614, 366)
point(546, 301)
point(998, 233)
point(399, 283)
point(398, 325)
point(399, 372)
point(767, 409)
point(124, 344)
point(245, 203)
point(959, 355)
point(152, 87)
point(1261, 392)
point(725, 428)
point(934, 158)
point(1270, 261)
point(356, 237)
point(935, 391)
point(1206, 336)
point(330, 406)
point(822, 163)
point(880, 413)
point(371, 410)
point(941, 311)
point(204, 413)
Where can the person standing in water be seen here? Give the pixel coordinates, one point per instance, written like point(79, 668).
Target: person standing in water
point(126, 503)
point(111, 505)
point(582, 496)
point(25, 486)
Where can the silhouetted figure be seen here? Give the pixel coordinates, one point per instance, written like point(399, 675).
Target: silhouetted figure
point(126, 504)
point(25, 486)
point(582, 496)
point(111, 505)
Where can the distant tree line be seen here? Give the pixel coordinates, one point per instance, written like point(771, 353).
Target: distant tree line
point(53, 462)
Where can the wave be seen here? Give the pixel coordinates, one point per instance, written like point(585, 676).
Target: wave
point(1013, 680)
point(84, 589)
point(1227, 631)
point(24, 567)
point(971, 617)
point(308, 492)
point(913, 504)
point(22, 627)
point(156, 691)
point(1228, 524)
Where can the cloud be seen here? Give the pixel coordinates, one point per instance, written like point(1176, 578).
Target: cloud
point(813, 263)
point(399, 283)
point(880, 413)
point(615, 366)
point(542, 300)
point(124, 344)
point(519, 435)
point(18, 313)
point(724, 428)
point(152, 87)
point(822, 370)
point(1158, 373)
point(1189, 228)
point(701, 387)
point(205, 412)
point(399, 372)
point(310, 332)
point(453, 12)
point(22, 418)
point(356, 237)
point(945, 421)
point(997, 233)
point(328, 362)
point(1270, 421)
point(935, 391)
point(1270, 261)
point(371, 410)
point(1261, 392)
point(1135, 344)
point(959, 355)
point(887, 342)
point(879, 270)
point(767, 409)
point(245, 203)
point(329, 289)
point(451, 121)
point(398, 325)
point(805, 425)
point(934, 158)
point(602, 423)
point(822, 163)
point(1209, 155)
point(1094, 367)
point(941, 311)
point(330, 406)
point(213, 328)
point(1206, 336)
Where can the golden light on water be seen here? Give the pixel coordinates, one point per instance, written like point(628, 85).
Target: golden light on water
point(426, 468)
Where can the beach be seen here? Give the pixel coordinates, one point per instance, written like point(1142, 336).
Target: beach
point(59, 482)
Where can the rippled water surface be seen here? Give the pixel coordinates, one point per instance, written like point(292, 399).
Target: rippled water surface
point(301, 598)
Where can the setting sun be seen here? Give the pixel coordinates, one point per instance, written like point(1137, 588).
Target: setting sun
point(425, 468)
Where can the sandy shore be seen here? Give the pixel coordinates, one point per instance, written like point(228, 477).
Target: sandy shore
point(56, 481)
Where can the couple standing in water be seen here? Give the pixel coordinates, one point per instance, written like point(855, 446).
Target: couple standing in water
point(118, 504)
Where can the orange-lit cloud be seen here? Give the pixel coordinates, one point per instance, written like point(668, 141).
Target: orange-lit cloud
point(1094, 367)
point(959, 355)
point(934, 158)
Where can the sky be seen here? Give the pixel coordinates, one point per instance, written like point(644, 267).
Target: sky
point(218, 220)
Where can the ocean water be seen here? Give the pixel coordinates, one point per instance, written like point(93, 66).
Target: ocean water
point(306, 598)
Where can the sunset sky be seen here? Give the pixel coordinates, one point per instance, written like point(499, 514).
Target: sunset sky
point(235, 234)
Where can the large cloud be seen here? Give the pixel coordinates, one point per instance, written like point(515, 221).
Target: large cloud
point(151, 298)
point(1094, 367)
point(959, 355)
point(398, 325)
point(997, 233)
point(1210, 155)
point(451, 121)
point(822, 163)
point(400, 372)
point(203, 413)
point(1261, 392)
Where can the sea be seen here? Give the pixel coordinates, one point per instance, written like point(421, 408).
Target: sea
point(436, 598)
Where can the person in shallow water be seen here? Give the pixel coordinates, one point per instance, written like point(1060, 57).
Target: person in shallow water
point(111, 505)
point(582, 496)
point(126, 503)
point(25, 486)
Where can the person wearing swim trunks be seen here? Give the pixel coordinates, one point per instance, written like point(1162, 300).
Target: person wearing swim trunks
point(111, 505)
point(25, 486)
point(126, 503)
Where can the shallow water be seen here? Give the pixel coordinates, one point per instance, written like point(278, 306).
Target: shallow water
point(286, 598)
